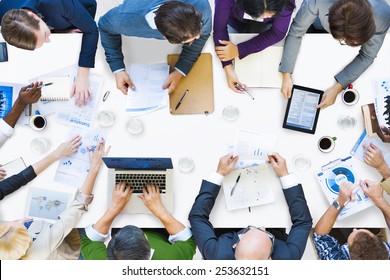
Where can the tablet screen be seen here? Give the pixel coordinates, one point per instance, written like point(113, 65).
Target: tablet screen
point(301, 113)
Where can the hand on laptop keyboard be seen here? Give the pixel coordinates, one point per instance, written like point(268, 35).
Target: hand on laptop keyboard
point(152, 199)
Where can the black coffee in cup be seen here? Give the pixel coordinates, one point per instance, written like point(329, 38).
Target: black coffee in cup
point(325, 143)
point(39, 122)
point(349, 96)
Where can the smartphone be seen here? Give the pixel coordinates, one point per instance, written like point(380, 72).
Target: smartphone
point(3, 52)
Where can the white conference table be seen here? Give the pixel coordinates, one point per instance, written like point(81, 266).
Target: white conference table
point(204, 138)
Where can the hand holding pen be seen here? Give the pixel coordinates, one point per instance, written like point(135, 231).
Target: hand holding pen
point(241, 88)
point(30, 94)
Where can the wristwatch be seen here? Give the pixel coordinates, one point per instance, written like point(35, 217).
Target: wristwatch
point(336, 204)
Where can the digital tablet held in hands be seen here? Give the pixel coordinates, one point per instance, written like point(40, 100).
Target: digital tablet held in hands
point(3, 52)
point(301, 112)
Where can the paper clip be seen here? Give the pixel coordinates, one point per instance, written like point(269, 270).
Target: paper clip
point(106, 94)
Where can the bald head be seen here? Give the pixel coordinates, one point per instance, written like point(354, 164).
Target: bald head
point(254, 245)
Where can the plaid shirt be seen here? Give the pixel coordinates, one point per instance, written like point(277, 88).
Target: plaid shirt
point(328, 248)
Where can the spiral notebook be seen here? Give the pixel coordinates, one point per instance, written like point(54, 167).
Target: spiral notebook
point(59, 90)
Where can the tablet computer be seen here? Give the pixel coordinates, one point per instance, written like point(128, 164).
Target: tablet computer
point(301, 112)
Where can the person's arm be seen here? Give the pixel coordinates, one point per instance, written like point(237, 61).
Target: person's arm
point(151, 198)
point(299, 211)
point(25, 98)
point(375, 193)
point(326, 222)
point(202, 229)
point(14, 182)
point(120, 197)
point(374, 158)
point(78, 15)
point(305, 16)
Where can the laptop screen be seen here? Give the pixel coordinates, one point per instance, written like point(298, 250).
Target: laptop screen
point(138, 163)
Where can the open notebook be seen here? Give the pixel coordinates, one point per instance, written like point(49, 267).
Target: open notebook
point(59, 90)
point(254, 187)
point(261, 69)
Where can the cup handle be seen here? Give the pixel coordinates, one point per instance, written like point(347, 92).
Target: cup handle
point(334, 138)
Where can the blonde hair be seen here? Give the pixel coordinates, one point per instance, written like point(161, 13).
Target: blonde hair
point(14, 242)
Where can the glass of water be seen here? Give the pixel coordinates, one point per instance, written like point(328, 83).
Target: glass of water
point(346, 122)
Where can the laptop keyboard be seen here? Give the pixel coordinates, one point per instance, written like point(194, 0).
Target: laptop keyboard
point(138, 181)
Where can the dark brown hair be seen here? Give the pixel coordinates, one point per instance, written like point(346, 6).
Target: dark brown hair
point(352, 21)
point(178, 21)
point(17, 28)
point(367, 247)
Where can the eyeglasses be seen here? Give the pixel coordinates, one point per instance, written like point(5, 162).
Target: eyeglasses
point(242, 232)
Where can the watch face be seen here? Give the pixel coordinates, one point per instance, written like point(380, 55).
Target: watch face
point(336, 204)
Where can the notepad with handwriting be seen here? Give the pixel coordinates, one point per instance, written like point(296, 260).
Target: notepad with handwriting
point(59, 90)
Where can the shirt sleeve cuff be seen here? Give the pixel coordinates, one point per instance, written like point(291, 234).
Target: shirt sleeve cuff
point(183, 235)
point(94, 235)
point(289, 181)
point(5, 128)
point(215, 178)
point(119, 70)
point(181, 72)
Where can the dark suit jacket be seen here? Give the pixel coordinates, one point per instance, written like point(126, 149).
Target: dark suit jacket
point(220, 248)
point(64, 14)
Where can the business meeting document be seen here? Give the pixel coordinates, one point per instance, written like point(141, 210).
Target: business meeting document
point(249, 187)
point(382, 101)
point(81, 117)
point(251, 147)
point(358, 150)
point(9, 92)
point(72, 170)
point(148, 95)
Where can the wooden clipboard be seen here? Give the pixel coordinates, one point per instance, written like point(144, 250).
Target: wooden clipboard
point(198, 82)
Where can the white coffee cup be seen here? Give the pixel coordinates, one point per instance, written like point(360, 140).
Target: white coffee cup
point(38, 122)
point(350, 96)
point(326, 144)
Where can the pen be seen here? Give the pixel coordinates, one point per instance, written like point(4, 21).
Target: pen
point(106, 94)
point(41, 86)
point(235, 184)
point(353, 192)
point(240, 87)
point(181, 99)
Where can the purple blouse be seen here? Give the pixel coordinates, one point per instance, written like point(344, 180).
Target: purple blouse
point(226, 10)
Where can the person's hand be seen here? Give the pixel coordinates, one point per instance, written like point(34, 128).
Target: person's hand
point(373, 190)
point(330, 95)
point(69, 147)
point(384, 134)
point(172, 81)
point(226, 164)
point(96, 154)
point(373, 156)
point(287, 85)
point(278, 164)
point(3, 173)
point(232, 79)
point(151, 198)
point(30, 96)
point(345, 192)
point(226, 52)
point(123, 82)
point(120, 196)
point(80, 89)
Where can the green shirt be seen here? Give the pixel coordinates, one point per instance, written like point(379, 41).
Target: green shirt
point(163, 249)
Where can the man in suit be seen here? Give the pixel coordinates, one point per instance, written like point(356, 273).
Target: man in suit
point(186, 22)
point(353, 22)
point(28, 24)
point(252, 242)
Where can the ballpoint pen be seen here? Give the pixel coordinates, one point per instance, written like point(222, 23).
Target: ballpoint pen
point(235, 184)
point(40, 86)
point(181, 100)
point(240, 87)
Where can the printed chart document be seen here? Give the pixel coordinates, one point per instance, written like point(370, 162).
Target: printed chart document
point(73, 169)
point(149, 95)
point(331, 175)
point(252, 147)
point(358, 150)
point(249, 187)
point(382, 101)
point(81, 117)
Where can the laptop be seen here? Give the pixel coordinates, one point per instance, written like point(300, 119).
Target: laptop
point(138, 172)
